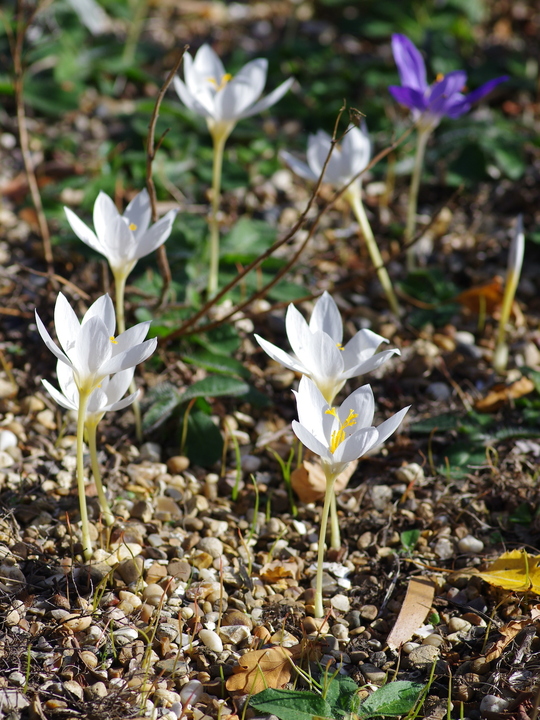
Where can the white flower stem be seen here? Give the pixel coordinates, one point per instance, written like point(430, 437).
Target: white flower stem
point(410, 228)
point(354, 197)
point(81, 417)
point(120, 289)
point(330, 479)
point(335, 536)
point(91, 431)
point(500, 356)
point(219, 139)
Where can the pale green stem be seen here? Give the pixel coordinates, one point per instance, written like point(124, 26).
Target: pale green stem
point(81, 418)
point(500, 357)
point(335, 536)
point(355, 199)
point(330, 479)
point(120, 289)
point(91, 431)
point(219, 139)
point(410, 228)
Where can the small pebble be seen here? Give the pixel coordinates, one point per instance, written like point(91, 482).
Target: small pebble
point(462, 337)
point(177, 464)
point(438, 391)
point(434, 640)
point(7, 440)
point(340, 632)
point(212, 546)
point(234, 634)
point(341, 603)
point(153, 594)
point(470, 545)
point(369, 612)
point(211, 640)
point(444, 548)
point(493, 704)
point(373, 674)
point(424, 656)
point(251, 463)
point(457, 624)
point(150, 451)
point(381, 495)
point(191, 692)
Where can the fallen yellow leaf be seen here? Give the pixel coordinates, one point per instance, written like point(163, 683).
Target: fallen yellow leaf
point(261, 669)
point(516, 570)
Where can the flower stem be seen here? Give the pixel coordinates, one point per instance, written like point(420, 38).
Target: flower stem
point(335, 536)
point(81, 417)
point(355, 199)
point(500, 357)
point(120, 288)
point(330, 479)
point(91, 428)
point(219, 139)
point(410, 229)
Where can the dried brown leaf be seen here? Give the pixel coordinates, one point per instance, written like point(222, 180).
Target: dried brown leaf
point(309, 481)
point(414, 611)
point(501, 394)
point(261, 669)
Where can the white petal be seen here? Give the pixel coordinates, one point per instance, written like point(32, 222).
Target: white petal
point(327, 318)
point(355, 151)
point(365, 366)
point(105, 216)
point(69, 389)
point(103, 309)
point(139, 213)
point(242, 91)
point(280, 355)
point(362, 403)
point(156, 235)
point(97, 402)
point(66, 324)
point(131, 337)
point(187, 98)
point(356, 445)
point(389, 426)
point(324, 358)
point(207, 64)
point(53, 347)
point(269, 100)
point(312, 407)
point(91, 351)
point(121, 404)
point(361, 347)
point(118, 384)
point(307, 439)
point(129, 358)
point(317, 152)
point(83, 232)
point(58, 397)
point(297, 166)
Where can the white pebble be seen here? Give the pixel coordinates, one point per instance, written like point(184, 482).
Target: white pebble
point(493, 704)
point(211, 640)
point(7, 439)
point(191, 692)
point(470, 545)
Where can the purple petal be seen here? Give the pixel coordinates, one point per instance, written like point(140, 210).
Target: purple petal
point(410, 63)
point(443, 93)
point(409, 97)
point(484, 89)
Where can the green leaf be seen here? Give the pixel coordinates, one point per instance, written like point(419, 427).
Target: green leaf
point(342, 695)
point(217, 363)
point(439, 423)
point(163, 400)
point(223, 340)
point(409, 538)
point(395, 698)
point(291, 704)
point(215, 386)
point(248, 239)
point(204, 444)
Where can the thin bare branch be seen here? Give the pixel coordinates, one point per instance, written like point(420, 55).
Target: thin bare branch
point(22, 25)
point(151, 150)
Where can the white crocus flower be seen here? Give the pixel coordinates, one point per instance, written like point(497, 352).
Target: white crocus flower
point(319, 352)
point(345, 162)
point(89, 347)
point(221, 98)
point(123, 239)
point(109, 396)
point(341, 434)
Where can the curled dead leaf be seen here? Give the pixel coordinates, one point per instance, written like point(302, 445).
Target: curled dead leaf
point(260, 669)
point(309, 482)
point(276, 570)
point(502, 393)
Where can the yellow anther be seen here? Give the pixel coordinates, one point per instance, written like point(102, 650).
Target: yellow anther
point(440, 76)
point(340, 346)
point(132, 226)
point(115, 342)
point(224, 80)
point(338, 436)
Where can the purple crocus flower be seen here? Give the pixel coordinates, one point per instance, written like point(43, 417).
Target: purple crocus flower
point(444, 97)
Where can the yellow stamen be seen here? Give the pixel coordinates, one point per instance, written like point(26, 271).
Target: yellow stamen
point(132, 226)
point(440, 76)
point(224, 80)
point(115, 342)
point(338, 436)
point(340, 346)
